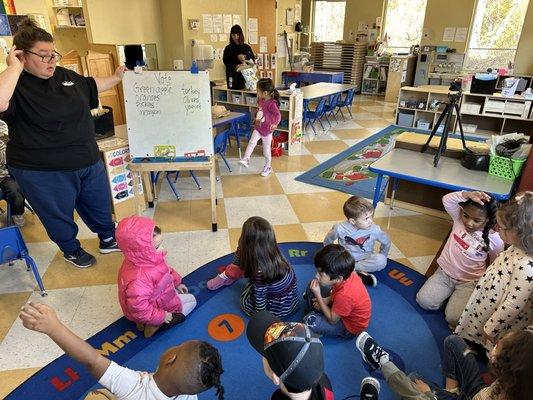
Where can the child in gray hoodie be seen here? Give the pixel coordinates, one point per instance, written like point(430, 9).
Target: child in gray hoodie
point(358, 234)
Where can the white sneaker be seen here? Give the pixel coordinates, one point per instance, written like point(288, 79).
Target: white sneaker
point(266, 171)
point(18, 220)
point(245, 162)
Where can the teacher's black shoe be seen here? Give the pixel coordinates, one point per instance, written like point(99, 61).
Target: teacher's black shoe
point(369, 389)
point(80, 258)
point(110, 246)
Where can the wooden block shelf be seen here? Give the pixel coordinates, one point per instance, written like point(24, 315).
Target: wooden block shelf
point(341, 57)
point(482, 115)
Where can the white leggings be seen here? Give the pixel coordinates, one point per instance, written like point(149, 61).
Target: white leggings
point(188, 303)
point(267, 141)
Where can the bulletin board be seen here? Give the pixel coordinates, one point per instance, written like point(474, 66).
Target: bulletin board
point(262, 18)
point(168, 114)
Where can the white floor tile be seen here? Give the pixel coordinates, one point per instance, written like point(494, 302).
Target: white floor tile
point(365, 116)
point(324, 157)
point(291, 186)
point(16, 278)
point(187, 189)
point(255, 167)
point(205, 246)
point(352, 142)
point(275, 208)
point(421, 264)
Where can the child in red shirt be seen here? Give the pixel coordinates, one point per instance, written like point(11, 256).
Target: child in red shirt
point(337, 299)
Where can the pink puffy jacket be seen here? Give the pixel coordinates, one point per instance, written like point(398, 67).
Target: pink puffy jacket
point(146, 284)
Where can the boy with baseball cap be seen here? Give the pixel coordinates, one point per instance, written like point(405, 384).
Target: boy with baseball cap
point(292, 358)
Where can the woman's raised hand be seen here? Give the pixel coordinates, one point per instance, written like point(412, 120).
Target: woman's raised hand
point(13, 58)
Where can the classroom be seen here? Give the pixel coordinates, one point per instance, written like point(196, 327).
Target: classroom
point(266, 199)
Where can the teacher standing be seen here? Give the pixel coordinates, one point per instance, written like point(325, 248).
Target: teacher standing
point(235, 53)
point(52, 152)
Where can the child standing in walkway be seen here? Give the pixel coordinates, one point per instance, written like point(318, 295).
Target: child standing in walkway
point(357, 235)
point(272, 281)
point(471, 247)
point(266, 120)
point(503, 298)
point(149, 290)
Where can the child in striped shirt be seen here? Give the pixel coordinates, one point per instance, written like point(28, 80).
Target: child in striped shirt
point(272, 281)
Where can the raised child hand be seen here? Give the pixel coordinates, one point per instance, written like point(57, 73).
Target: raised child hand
point(478, 197)
point(39, 317)
point(315, 288)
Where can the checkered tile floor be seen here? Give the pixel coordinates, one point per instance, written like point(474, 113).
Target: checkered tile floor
point(86, 300)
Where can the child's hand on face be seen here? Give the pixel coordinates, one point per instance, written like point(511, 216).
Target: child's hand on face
point(168, 317)
point(182, 288)
point(478, 197)
point(39, 317)
point(315, 288)
point(316, 306)
point(422, 386)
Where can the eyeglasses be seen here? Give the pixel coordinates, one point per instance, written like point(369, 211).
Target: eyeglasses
point(55, 56)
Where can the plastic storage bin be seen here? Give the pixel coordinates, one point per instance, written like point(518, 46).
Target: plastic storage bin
point(505, 167)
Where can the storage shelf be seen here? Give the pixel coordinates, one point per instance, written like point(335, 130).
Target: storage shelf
point(69, 7)
point(70, 27)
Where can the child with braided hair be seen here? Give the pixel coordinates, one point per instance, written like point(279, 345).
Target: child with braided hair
point(471, 247)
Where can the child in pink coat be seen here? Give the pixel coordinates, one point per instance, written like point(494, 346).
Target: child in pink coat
point(149, 290)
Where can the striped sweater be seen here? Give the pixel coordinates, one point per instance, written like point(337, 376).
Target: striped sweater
point(280, 297)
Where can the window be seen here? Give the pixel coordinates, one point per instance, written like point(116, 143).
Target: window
point(329, 20)
point(495, 33)
point(404, 20)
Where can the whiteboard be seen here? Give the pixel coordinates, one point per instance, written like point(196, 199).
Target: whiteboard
point(168, 114)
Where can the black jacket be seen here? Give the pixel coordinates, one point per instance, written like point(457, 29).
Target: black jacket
point(231, 60)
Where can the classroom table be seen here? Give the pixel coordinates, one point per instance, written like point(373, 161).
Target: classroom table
point(311, 77)
point(323, 89)
point(450, 174)
point(232, 119)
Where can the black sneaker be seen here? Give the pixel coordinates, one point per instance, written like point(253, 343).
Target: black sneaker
point(80, 258)
point(368, 279)
point(373, 355)
point(108, 247)
point(369, 388)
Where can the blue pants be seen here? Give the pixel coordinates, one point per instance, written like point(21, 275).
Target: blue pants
point(54, 195)
point(317, 322)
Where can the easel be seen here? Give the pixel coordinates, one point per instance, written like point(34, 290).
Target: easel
point(204, 164)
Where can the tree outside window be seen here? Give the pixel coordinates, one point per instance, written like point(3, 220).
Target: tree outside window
point(329, 20)
point(404, 20)
point(495, 33)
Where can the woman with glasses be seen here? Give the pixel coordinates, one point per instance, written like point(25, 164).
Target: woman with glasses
point(52, 152)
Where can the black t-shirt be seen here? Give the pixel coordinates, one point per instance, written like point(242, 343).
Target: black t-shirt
point(321, 391)
point(231, 60)
point(50, 124)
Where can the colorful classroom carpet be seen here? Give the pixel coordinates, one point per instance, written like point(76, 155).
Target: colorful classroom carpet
point(413, 336)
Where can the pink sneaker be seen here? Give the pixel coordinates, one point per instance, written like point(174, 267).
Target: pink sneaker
point(266, 171)
point(245, 162)
point(218, 281)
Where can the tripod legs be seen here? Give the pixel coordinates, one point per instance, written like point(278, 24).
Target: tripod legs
point(434, 130)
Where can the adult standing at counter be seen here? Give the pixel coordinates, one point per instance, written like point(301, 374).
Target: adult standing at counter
point(52, 152)
point(235, 53)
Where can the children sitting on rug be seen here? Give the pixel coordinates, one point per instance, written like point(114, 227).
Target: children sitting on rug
point(510, 363)
point(272, 281)
point(503, 298)
point(150, 292)
point(471, 247)
point(183, 371)
point(292, 358)
point(358, 235)
point(339, 300)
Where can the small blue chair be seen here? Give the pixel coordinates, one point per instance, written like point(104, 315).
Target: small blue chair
point(331, 106)
point(13, 247)
point(310, 117)
point(242, 128)
point(155, 177)
point(346, 102)
point(220, 142)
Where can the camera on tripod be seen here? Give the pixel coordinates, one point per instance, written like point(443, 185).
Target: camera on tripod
point(446, 116)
